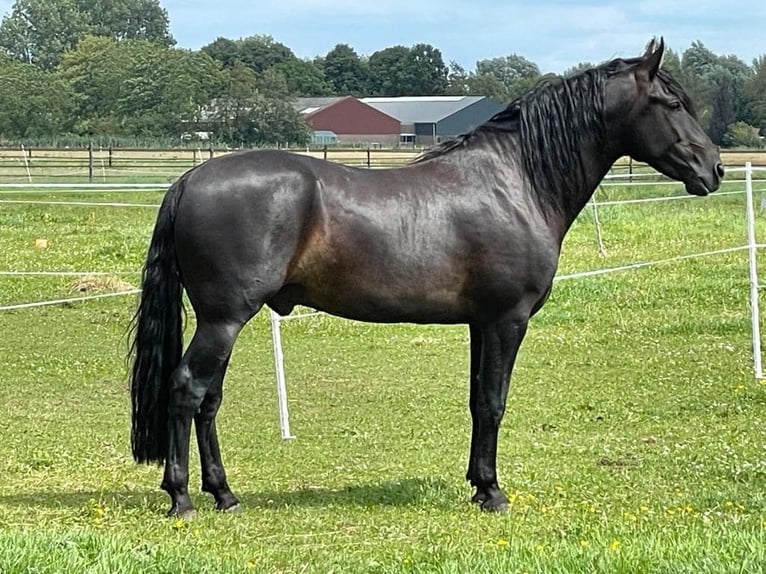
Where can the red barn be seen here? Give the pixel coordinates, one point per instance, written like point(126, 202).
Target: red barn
point(347, 120)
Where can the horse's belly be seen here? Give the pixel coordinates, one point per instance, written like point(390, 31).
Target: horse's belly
point(376, 301)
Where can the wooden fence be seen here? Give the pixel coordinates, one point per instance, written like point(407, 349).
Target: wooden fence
point(97, 164)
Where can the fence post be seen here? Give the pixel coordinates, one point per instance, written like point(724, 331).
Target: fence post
point(754, 287)
point(110, 155)
point(279, 365)
point(368, 158)
point(324, 152)
point(194, 156)
point(210, 151)
point(90, 161)
point(26, 163)
point(630, 170)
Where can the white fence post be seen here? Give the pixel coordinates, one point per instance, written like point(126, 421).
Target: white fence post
point(279, 366)
point(754, 287)
point(26, 163)
point(599, 236)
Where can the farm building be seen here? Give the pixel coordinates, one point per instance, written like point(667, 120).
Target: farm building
point(347, 120)
point(426, 120)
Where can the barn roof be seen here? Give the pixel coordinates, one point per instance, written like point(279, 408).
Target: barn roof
point(305, 106)
point(422, 109)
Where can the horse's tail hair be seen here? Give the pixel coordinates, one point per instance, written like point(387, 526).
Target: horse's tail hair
point(157, 336)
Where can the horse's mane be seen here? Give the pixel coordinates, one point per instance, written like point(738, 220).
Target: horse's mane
point(552, 120)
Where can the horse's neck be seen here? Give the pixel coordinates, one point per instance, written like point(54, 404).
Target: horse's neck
point(597, 160)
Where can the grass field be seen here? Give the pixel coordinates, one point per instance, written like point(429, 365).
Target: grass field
point(634, 439)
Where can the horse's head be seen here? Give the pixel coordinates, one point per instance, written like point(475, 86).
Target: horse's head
point(657, 123)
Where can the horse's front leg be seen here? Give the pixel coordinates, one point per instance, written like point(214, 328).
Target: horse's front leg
point(475, 342)
point(500, 343)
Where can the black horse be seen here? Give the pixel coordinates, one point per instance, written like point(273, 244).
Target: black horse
point(469, 233)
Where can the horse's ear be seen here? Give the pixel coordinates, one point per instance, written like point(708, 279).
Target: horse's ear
point(652, 58)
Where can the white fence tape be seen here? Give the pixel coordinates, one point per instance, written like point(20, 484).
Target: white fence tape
point(79, 203)
point(67, 301)
point(98, 186)
point(65, 273)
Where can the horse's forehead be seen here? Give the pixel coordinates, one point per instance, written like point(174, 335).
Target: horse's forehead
point(659, 88)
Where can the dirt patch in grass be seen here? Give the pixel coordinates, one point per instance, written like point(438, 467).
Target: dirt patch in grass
point(99, 284)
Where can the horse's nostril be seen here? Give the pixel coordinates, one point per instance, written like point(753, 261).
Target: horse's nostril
point(719, 169)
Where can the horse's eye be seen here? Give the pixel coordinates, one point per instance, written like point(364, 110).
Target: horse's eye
point(675, 105)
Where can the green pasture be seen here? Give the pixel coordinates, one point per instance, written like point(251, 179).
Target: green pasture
point(634, 439)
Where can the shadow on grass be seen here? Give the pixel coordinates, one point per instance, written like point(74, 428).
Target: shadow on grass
point(406, 492)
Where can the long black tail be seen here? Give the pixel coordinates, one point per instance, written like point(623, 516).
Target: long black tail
point(157, 332)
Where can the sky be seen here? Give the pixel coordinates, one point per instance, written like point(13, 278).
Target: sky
point(555, 35)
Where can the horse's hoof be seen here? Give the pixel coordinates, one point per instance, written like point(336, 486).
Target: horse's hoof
point(187, 514)
point(479, 498)
point(495, 505)
point(227, 503)
point(490, 499)
point(233, 509)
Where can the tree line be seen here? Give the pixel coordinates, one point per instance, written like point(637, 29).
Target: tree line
point(109, 69)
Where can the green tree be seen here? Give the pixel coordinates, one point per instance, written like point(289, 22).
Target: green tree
point(388, 71)
point(489, 86)
point(741, 134)
point(233, 109)
point(737, 73)
point(346, 72)
point(96, 71)
point(671, 63)
point(261, 52)
point(165, 91)
point(127, 20)
point(224, 50)
point(755, 95)
point(577, 68)
point(40, 31)
point(698, 66)
point(722, 110)
point(402, 71)
point(716, 85)
point(457, 80)
point(255, 111)
point(303, 78)
point(508, 69)
point(35, 102)
point(425, 71)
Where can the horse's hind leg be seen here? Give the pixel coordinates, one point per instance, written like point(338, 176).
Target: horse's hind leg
point(213, 474)
point(200, 371)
